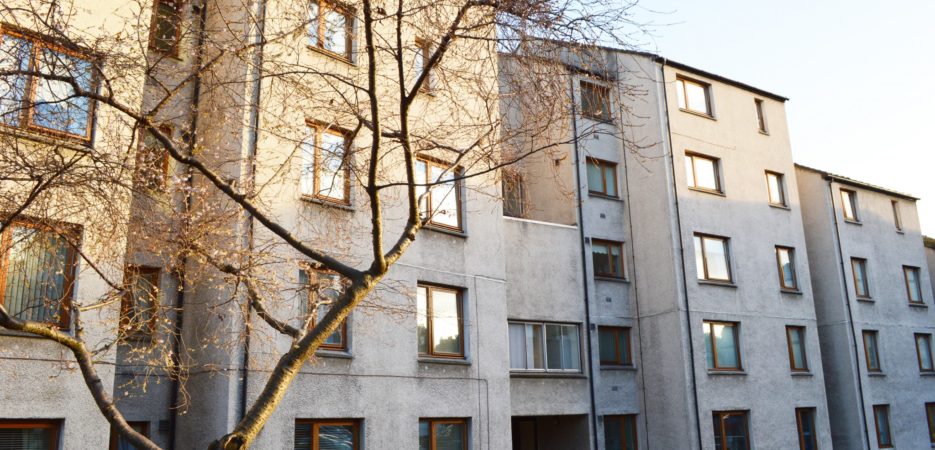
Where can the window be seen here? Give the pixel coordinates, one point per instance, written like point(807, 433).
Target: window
point(785, 259)
point(872, 351)
point(693, 96)
point(712, 259)
point(322, 289)
point(607, 257)
point(595, 101)
point(152, 162)
point(141, 300)
point(775, 185)
point(423, 53)
point(730, 430)
point(331, 28)
point(441, 206)
point(861, 283)
point(897, 217)
point(118, 442)
point(924, 352)
point(40, 104)
point(881, 419)
point(602, 177)
point(760, 115)
point(325, 169)
point(805, 421)
point(913, 284)
point(327, 434)
point(795, 340)
point(620, 432)
point(549, 347)
point(166, 29)
point(615, 346)
point(703, 172)
point(930, 415)
point(849, 202)
point(30, 434)
point(443, 434)
point(39, 273)
point(440, 322)
point(514, 202)
point(722, 342)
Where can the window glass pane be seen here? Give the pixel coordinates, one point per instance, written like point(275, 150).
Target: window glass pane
point(786, 269)
point(629, 433)
point(56, 106)
point(335, 32)
point(553, 346)
point(883, 425)
point(725, 340)
point(307, 179)
point(14, 55)
point(930, 412)
point(696, 95)
point(616, 260)
point(873, 358)
point(760, 119)
point(303, 436)
point(332, 167)
point(716, 257)
point(421, 319)
point(535, 359)
point(449, 436)
point(336, 437)
point(600, 258)
point(912, 282)
point(36, 274)
point(709, 345)
point(25, 438)
point(706, 173)
point(335, 338)
point(860, 277)
point(610, 175)
point(421, 176)
point(607, 341)
point(425, 436)
point(518, 346)
point(924, 346)
point(690, 170)
point(444, 198)
point(613, 433)
point(797, 344)
point(446, 320)
point(699, 258)
point(144, 287)
point(166, 26)
point(313, 23)
point(595, 180)
point(775, 189)
point(571, 359)
point(848, 201)
point(680, 90)
point(735, 430)
point(807, 422)
point(122, 443)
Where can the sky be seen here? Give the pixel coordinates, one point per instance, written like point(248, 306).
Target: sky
point(860, 76)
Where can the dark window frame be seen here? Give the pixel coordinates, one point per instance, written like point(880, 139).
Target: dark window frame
point(918, 291)
point(680, 86)
point(897, 215)
point(444, 421)
point(513, 190)
point(789, 346)
point(735, 330)
point(931, 358)
point(850, 201)
point(610, 246)
point(704, 255)
point(176, 15)
point(625, 421)
point(760, 116)
point(129, 317)
point(605, 167)
point(865, 286)
point(425, 209)
point(316, 424)
point(430, 352)
point(424, 51)
point(115, 437)
point(599, 92)
point(54, 427)
point(715, 163)
point(152, 164)
point(622, 341)
point(319, 129)
point(885, 409)
point(781, 185)
point(349, 16)
point(782, 279)
point(799, 419)
point(930, 416)
point(875, 336)
point(719, 417)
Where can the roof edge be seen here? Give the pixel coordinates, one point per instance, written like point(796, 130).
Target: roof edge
point(857, 183)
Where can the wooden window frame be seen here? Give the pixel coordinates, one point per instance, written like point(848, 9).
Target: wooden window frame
point(126, 302)
point(622, 340)
point(680, 82)
point(312, 309)
point(849, 198)
point(316, 424)
point(610, 245)
point(429, 213)
point(918, 275)
point(897, 215)
point(424, 50)
point(782, 278)
point(603, 166)
point(345, 10)
point(625, 421)
point(163, 158)
point(115, 437)
point(727, 256)
point(865, 286)
point(72, 234)
point(432, 422)
point(719, 417)
point(27, 109)
point(177, 5)
point(798, 423)
point(603, 96)
point(801, 330)
point(876, 348)
point(319, 128)
point(693, 182)
point(930, 416)
point(760, 116)
point(54, 427)
point(735, 329)
point(781, 182)
point(429, 327)
point(928, 338)
point(876, 423)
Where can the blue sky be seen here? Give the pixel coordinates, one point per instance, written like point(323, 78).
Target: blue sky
point(860, 76)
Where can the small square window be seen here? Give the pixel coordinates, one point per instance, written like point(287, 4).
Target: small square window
point(712, 258)
point(775, 185)
point(166, 29)
point(615, 348)
point(785, 259)
point(693, 96)
point(602, 177)
point(872, 351)
point(331, 28)
point(760, 115)
point(861, 283)
point(795, 340)
point(595, 101)
point(703, 172)
point(912, 277)
point(722, 342)
point(924, 352)
point(881, 420)
point(849, 203)
point(440, 322)
point(327, 434)
point(731, 430)
point(607, 257)
point(620, 432)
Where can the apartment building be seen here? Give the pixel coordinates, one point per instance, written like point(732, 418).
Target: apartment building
point(874, 310)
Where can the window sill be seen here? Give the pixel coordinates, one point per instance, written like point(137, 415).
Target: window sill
point(23, 334)
point(791, 291)
point(166, 55)
point(918, 305)
point(927, 374)
point(802, 373)
point(327, 203)
point(778, 206)
point(876, 374)
point(452, 361)
point(328, 353)
point(611, 279)
point(764, 133)
point(575, 375)
point(866, 299)
point(698, 113)
point(603, 120)
point(740, 372)
point(613, 198)
point(729, 284)
point(707, 191)
point(76, 144)
point(853, 222)
point(900, 231)
point(335, 56)
point(622, 367)
point(443, 230)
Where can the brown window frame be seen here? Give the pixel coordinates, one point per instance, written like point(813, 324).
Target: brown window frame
point(434, 421)
point(798, 424)
point(345, 10)
point(626, 421)
point(704, 256)
point(316, 424)
point(801, 330)
point(735, 329)
point(850, 199)
point(513, 190)
point(177, 16)
point(876, 423)
point(782, 278)
point(693, 182)
point(602, 94)
point(319, 128)
point(430, 352)
point(865, 286)
point(897, 215)
point(72, 234)
point(604, 166)
point(680, 82)
point(781, 182)
point(927, 337)
point(161, 157)
point(424, 50)
point(610, 245)
point(876, 348)
point(54, 427)
point(622, 340)
point(115, 437)
point(128, 323)
point(719, 417)
point(760, 116)
point(918, 275)
point(312, 307)
point(426, 209)
point(930, 416)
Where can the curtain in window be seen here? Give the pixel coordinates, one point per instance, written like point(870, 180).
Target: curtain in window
point(37, 274)
point(335, 437)
point(303, 436)
point(25, 438)
point(449, 436)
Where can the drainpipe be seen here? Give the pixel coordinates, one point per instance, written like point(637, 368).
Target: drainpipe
point(584, 266)
point(850, 317)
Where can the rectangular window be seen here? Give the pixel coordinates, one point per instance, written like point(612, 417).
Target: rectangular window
point(731, 430)
point(602, 177)
point(322, 289)
point(693, 95)
point(166, 29)
point(881, 419)
point(331, 28)
point(514, 201)
point(760, 115)
point(141, 301)
point(38, 273)
point(441, 205)
point(849, 203)
point(440, 322)
point(861, 283)
point(924, 352)
point(872, 351)
point(30, 434)
point(325, 168)
point(443, 434)
point(118, 442)
point(423, 53)
point(620, 432)
point(615, 346)
point(607, 257)
point(897, 217)
point(795, 340)
point(543, 346)
point(911, 275)
point(805, 422)
point(43, 104)
point(712, 258)
point(722, 341)
point(930, 415)
point(703, 172)
point(152, 161)
point(595, 101)
point(775, 185)
point(785, 259)
point(327, 434)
